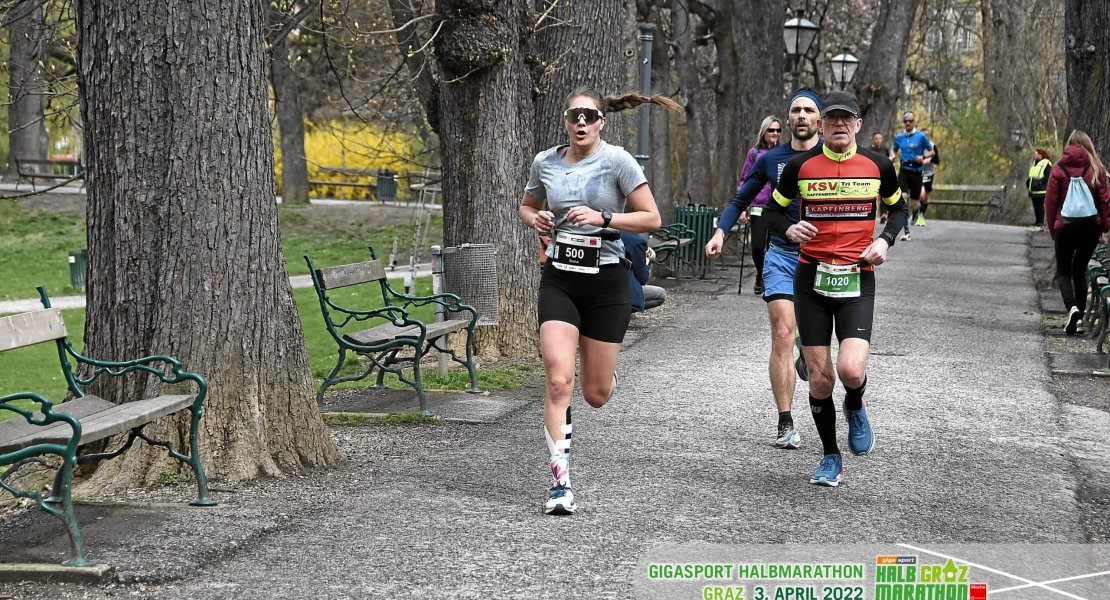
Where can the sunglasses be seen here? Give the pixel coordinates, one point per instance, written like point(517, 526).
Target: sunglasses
point(774, 130)
point(591, 115)
point(907, 120)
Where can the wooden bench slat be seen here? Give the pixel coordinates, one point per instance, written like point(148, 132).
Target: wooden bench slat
point(379, 334)
point(104, 423)
point(969, 188)
point(388, 331)
point(352, 274)
point(671, 244)
point(18, 427)
point(346, 183)
point(27, 329)
point(959, 202)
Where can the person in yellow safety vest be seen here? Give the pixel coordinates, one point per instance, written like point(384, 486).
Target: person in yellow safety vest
point(1036, 184)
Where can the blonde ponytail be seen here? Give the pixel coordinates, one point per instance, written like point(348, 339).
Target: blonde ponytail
point(633, 99)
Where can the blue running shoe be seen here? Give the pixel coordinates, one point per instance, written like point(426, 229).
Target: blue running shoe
point(560, 501)
point(829, 472)
point(861, 440)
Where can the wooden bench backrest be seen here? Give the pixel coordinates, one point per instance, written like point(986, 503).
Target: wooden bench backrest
point(352, 274)
point(27, 329)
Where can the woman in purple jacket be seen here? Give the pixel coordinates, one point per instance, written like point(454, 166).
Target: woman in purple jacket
point(770, 132)
point(1076, 235)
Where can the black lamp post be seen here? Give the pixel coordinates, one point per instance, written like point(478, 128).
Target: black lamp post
point(798, 33)
point(844, 67)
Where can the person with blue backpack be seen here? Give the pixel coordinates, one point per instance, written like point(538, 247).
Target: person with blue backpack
point(1077, 209)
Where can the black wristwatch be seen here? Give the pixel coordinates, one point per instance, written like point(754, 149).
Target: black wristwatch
point(606, 216)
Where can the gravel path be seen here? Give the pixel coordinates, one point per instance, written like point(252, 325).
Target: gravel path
point(976, 444)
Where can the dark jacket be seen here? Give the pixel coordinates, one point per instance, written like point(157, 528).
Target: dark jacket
point(1073, 164)
point(635, 250)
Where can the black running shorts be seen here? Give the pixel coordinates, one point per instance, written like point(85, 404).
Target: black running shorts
point(598, 305)
point(817, 314)
point(910, 182)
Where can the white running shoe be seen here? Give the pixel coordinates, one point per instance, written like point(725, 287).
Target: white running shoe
point(560, 501)
point(1074, 316)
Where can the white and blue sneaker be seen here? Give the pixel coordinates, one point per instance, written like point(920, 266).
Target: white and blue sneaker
point(788, 438)
point(560, 501)
point(829, 472)
point(861, 439)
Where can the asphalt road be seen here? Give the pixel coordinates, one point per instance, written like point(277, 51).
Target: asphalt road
point(972, 448)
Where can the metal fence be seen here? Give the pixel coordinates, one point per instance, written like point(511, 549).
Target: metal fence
point(699, 218)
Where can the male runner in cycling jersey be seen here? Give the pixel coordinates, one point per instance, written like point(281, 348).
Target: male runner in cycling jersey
point(803, 113)
point(912, 148)
point(834, 286)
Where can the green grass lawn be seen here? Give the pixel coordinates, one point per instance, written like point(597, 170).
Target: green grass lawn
point(36, 368)
point(34, 249)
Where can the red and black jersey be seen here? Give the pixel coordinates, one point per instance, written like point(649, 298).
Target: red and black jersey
point(838, 194)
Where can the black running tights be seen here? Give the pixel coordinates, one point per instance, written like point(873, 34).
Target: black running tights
point(1075, 243)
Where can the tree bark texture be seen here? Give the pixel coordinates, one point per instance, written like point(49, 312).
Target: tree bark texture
point(696, 170)
point(758, 36)
point(1005, 28)
point(486, 127)
point(184, 251)
point(1087, 43)
point(582, 44)
point(290, 117)
point(26, 92)
point(726, 156)
point(878, 82)
point(662, 184)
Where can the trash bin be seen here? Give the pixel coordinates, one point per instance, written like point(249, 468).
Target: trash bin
point(470, 272)
point(78, 268)
point(387, 185)
point(699, 218)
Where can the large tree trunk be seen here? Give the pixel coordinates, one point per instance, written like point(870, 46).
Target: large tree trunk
point(726, 155)
point(26, 93)
point(661, 183)
point(1005, 24)
point(290, 118)
point(587, 49)
point(878, 82)
point(696, 170)
point(184, 252)
point(486, 127)
point(757, 29)
point(1087, 44)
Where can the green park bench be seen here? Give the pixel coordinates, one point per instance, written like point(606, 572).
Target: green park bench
point(1096, 321)
point(347, 177)
point(394, 333)
point(31, 169)
point(62, 429)
point(971, 196)
point(670, 243)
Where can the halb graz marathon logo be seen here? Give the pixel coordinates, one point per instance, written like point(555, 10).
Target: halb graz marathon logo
point(902, 578)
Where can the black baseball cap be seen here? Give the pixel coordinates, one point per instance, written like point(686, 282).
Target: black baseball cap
point(839, 100)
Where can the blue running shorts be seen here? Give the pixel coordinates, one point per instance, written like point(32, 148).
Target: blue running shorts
point(778, 274)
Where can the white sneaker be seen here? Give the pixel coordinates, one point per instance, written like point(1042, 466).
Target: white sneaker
point(560, 501)
point(905, 237)
point(1074, 316)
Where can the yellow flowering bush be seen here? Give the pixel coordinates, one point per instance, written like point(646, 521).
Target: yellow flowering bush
point(356, 147)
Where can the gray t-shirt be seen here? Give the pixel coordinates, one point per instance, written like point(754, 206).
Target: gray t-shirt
point(602, 181)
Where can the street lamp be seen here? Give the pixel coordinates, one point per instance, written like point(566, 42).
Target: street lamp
point(844, 67)
point(798, 33)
